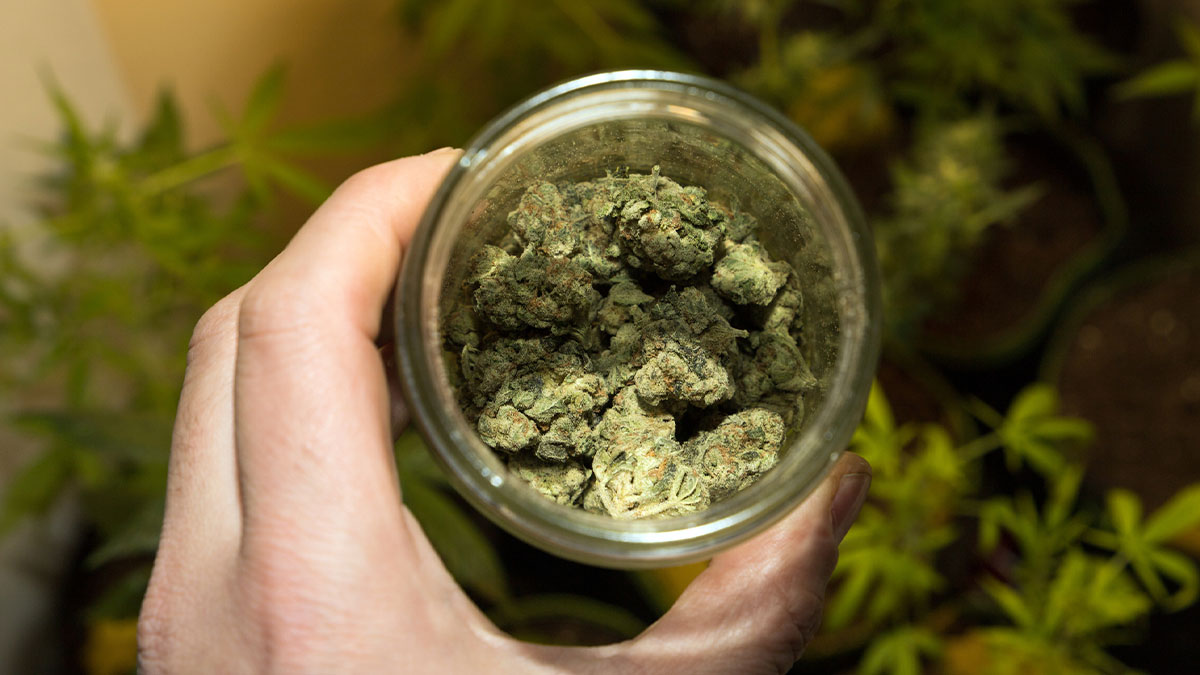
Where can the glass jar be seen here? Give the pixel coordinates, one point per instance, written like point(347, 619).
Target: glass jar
point(700, 132)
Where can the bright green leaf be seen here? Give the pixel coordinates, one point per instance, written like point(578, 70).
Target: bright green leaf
point(1171, 77)
point(1010, 602)
point(1178, 515)
point(900, 651)
point(1189, 37)
point(1036, 400)
point(263, 103)
point(1125, 509)
point(296, 180)
point(1182, 570)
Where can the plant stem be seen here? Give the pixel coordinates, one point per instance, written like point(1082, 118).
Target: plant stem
point(189, 170)
point(979, 447)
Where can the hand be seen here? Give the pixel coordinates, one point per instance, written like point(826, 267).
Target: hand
point(286, 547)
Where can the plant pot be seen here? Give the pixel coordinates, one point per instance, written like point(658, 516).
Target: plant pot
point(1128, 360)
point(1024, 271)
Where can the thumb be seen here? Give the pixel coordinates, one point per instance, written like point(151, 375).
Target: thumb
point(757, 606)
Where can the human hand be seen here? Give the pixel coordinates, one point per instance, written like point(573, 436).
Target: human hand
point(286, 547)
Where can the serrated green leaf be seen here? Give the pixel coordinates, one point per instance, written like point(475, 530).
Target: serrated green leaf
point(263, 102)
point(467, 554)
point(1183, 571)
point(1125, 509)
point(414, 462)
point(161, 141)
point(1036, 400)
point(1063, 492)
point(1178, 515)
point(1171, 77)
point(1063, 429)
point(879, 411)
point(1189, 37)
point(1010, 603)
point(296, 180)
point(900, 651)
point(846, 599)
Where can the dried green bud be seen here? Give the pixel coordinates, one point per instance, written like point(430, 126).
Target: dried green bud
point(542, 219)
point(506, 428)
point(738, 450)
point(460, 326)
point(683, 370)
point(562, 223)
point(485, 370)
point(576, 304)
point(740, 225)
point(668, 229)
point(782, 315)
point(747, 275)
point(530, 291)
point(775, 364)
point(560, 482)
point(621, 307)
point(556, 397)
point(641, 471)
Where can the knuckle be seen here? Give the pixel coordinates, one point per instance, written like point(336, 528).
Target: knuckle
point(271, 308)
point(367, 181)
point(216, 324)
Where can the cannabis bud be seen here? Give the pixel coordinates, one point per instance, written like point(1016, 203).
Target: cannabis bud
point(632, 348)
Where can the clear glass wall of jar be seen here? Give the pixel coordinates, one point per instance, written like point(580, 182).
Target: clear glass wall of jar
point(700, 132)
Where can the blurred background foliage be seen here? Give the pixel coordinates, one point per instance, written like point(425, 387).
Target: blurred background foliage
point(971, 129)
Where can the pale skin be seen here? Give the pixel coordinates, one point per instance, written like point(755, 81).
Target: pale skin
point(286, 546)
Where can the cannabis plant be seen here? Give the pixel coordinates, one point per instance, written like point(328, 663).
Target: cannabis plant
point(98, 296)
point(97, 300)
point(1058, 580)
point(946, 195)
point(1171, 77)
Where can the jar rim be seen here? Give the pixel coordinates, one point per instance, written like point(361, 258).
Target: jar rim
point(593, 538)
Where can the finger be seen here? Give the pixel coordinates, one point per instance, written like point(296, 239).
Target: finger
point(203, 514)
point(311, 400)
point(757, 606)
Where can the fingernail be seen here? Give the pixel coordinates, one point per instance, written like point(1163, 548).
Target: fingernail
point(851, 493)
point(444, 150)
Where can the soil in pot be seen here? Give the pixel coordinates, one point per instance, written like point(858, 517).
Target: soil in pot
point(1020, 264)
point(1132, 367)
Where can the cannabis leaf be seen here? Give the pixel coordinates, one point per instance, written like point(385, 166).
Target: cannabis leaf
point(1040, 533)
point(1144, 543)
point(900, 651)
point(878, 575)
point(1176, 76)
point(877, 438)
point(1034, 433)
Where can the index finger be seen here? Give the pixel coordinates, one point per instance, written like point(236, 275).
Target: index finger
point(310, 393)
